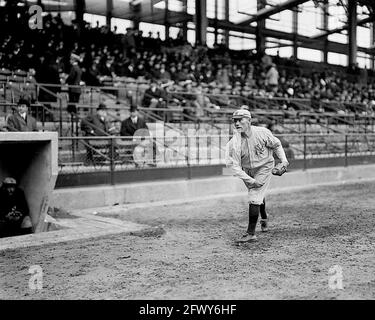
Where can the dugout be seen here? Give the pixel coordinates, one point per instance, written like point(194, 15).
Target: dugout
point(31, 158)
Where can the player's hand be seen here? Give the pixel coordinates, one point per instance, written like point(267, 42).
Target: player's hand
point(254, 184)
point(280, 168)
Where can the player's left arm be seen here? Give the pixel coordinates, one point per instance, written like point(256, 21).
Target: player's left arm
point(274, 143)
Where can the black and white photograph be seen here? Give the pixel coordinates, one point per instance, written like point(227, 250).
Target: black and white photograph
point(199, 153)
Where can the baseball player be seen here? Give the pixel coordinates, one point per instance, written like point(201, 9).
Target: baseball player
point(249, 154)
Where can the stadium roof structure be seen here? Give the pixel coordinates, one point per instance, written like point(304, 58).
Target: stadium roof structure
point(253, 16)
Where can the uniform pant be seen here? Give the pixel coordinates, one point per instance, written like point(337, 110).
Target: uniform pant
point(262, 174)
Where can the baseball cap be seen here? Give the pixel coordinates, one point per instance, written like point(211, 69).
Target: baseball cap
point(242, 113)
point(9, 181)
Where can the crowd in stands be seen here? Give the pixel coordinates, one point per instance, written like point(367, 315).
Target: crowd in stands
point(104, 54)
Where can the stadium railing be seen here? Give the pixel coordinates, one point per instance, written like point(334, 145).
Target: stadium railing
point(113, 154)
point(298, 116)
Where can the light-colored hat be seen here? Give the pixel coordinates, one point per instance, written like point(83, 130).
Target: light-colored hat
point(242, 113)
point(245, 107)
point(9, 181)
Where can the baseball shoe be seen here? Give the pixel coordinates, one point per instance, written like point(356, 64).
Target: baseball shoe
point(247, 238)
point(264, 225)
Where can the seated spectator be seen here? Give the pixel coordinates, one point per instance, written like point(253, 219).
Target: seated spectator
point(163, 75)
point(155, 97)
point(14, 210)
point(20, 120)
point(130, 125)
point(136, 126)
point(97, 124)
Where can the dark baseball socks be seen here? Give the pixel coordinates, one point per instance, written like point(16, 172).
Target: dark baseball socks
point(254, 210)
point(263, 213)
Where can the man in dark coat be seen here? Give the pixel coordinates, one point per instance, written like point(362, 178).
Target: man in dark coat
point(74, 80)
point(154, 96)
point(96, 125)
point(14, 210)
point(130, 125)
point(20, 120)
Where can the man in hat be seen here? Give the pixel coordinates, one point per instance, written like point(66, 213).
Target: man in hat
point(130, 125)
point(155, 96)
point(249, 154)
point(14, 210)
point(134, 125)
point(20, 120)
point(74, 81)
point(96, 125)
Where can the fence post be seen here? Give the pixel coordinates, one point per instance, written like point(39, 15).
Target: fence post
point(91, 97)
point(197, 146)
point(187, 146)
point(346, 150)
point(304, 151)
point(60, 114)
point(112, 161)
point(43, 117)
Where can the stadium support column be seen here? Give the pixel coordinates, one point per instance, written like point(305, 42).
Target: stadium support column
point(295, 32)
point(80, 7)
point(261, 25)
point(166, 19)
point(226, 32)
point(184, 24)
point(216, 9)
point(109, 13)
point(325, 28)
point(200, 21)
point(352, 32)
point(373, 45)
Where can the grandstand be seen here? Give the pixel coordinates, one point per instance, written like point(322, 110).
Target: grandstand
point(208, 57)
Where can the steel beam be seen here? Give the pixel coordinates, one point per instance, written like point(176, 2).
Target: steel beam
point(267, 12)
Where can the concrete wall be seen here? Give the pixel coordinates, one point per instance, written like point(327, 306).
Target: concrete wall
point(100, 196)
point(31, 158)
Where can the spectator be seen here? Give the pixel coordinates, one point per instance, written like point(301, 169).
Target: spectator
point(97, 124)
point(130, 125)
point(141, 152)
point(272, 78)
point(14, 210)
point(20, 120)
point(128, 42)
point(155, 97)
point(74, 80)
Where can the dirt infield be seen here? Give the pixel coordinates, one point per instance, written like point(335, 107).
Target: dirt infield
point(192, 254)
